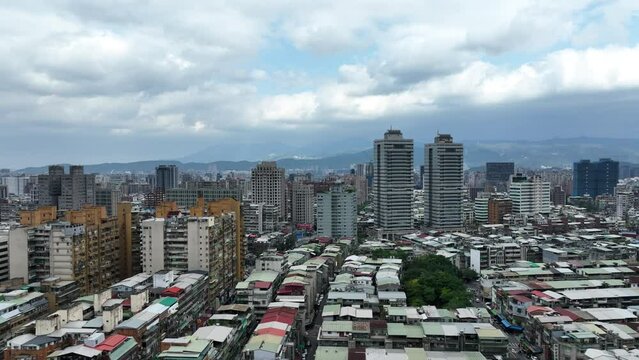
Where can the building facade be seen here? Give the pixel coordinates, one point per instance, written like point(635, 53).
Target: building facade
point(337, 212)
point(393, 182)
point(443, 183)
point(166, 177)
point(529, 196)
point(302, 203)
point(595, 178)
point(268, 186)
point(66, 191)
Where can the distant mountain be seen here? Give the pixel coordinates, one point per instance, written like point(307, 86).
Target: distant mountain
point(528, 154)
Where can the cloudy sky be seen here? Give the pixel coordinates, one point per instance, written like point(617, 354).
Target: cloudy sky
point(96, 81)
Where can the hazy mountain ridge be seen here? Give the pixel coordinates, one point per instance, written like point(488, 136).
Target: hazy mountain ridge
point(530, 154)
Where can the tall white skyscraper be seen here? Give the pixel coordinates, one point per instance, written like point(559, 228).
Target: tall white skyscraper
point(530, 196)
point(393, 182)
point(443, 183)
point(268, 186)
point(337, 212)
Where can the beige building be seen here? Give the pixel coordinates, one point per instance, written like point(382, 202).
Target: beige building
point(268, 186)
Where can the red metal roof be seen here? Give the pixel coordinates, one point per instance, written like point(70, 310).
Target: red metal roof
point(540, 294)
point(270, 331)
point(172, 291)
point(538, 310)
point(110, 343)
point(521, 298)
point(263, 284)
point(566, 312)
point(282, 314)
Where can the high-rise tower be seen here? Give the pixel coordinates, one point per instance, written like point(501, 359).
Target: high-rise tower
point(393, 182)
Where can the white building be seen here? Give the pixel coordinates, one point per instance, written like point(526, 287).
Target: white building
point(624, 201)
point(302, 203)
point(337, 212)
point(268, 185)
point(393, 182)
point(530, 196)
point(260, 218)
point(443, 183)
point(481, 208)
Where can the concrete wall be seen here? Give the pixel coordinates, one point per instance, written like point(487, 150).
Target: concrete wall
point(18, 254)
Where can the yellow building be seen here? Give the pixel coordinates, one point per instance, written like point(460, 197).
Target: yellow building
point(217, 208)
point(39, 216)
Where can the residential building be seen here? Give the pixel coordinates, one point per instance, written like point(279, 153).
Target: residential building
point(229, 205)
point(193, 243)
point(17, 308)
point(166, 177)
point(109, 199)
point(337, 212)
point(278, 335)
point(498, 207)
point(260, 218)
point(66, 191)
point(393, 182)
point(4, 252)
point(268, 186)
point(210, 191)
point(530, 195)
point(302, 202)
point(558, 195)
point(443, 183)
point(595, 178)
point(258, 290)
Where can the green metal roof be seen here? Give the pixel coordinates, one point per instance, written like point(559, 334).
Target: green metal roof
point(337, 326)
point(396, 329)
point(168, 301)
point(265, 342)
point(432, 329)
point(331, 353)
point(414, 331)
point(121, 350)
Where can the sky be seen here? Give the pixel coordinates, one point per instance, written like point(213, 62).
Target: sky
point(112, 81)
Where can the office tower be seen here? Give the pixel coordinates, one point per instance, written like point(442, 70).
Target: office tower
point(498, 206)
point(498, 175)
point(303, 202)
point(66, 191)
point(166, 177)
point(193, 243)
point(595, 178)
point(4, 192)
point(530, 196)
point(393, 182)
point(108, 198)
point(268, 186)
point(558, 195)
point(443, 183)
point(337, 212)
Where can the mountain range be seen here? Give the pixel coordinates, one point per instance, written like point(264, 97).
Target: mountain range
point(526, 154)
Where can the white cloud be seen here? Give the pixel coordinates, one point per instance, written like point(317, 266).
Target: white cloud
point(133, 68)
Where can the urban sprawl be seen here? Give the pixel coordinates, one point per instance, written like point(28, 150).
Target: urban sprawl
point(386, 260)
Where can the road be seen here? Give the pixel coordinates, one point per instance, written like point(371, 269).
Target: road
point(312, 333)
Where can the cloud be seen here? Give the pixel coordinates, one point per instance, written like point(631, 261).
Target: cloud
point(207, 71)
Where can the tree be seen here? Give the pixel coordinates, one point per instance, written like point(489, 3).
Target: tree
point(433, 280)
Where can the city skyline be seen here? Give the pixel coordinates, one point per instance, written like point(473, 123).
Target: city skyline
point(280, 78)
